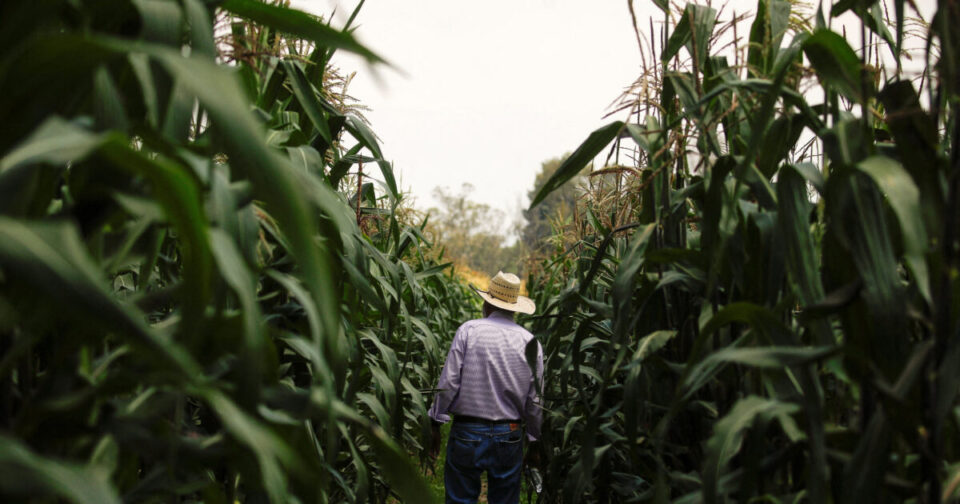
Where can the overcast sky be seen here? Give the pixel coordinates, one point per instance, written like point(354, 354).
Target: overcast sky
point(489, 90)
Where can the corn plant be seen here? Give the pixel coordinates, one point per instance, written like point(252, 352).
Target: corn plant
point(195, 306)
point(769, 310)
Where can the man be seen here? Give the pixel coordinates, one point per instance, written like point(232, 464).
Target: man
point(489, 389)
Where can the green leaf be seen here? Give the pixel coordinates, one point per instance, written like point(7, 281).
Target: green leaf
point(835, 62)
point(771, 358)
point(766, 36)
point(299, 24)
point(399, 471)
point(915, 136)
point(179, 194)
point(386, 169)
point(858, 221)
point(592, 146)
point(342, 166)
point(624, 282)
point(649, 136)
point(682, 84)
point(873, 18)
point(376, 407)
point(363, 135)
point(179, 114)
point(201, 28)
point(50, 262)
point(801, 255)
point(844, 5)
point(864, 474)
point(161, 21)
point(306, 159)
point(664, 5)
point(359, 282)
point(782, 138)
point(140, 65)
point(898, 188)
point(269, 449)
point(238, 276)
point(844, 143)
point(271, 176)
point(651, 343)
point(56, 141)
point(695, 25)
point(308, 99)
point(24, 473)
point(728, 435)
point(108, 104)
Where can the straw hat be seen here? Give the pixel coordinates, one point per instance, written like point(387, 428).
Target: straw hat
point(504, 292)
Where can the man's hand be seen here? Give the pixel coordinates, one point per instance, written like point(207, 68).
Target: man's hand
point(435, 439)
point(532, 457)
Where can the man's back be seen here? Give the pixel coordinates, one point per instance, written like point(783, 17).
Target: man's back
point(486, 374)
point(495, 377)
point(488, 388)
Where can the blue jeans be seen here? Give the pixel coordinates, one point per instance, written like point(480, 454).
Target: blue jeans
point(473, 448)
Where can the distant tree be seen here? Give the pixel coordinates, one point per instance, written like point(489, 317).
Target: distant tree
point(559, 204)
point(472, 233)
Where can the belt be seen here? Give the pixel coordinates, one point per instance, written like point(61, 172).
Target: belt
point(473, 419)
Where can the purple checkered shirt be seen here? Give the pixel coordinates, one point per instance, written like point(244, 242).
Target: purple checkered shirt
point(486, 374)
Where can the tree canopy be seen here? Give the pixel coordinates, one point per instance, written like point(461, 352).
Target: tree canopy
point(473, 234)
point(554, 209)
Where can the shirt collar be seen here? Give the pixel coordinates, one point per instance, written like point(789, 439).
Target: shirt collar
point(497, 315)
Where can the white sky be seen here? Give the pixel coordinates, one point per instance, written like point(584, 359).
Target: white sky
point(486, 91)
point(489, 89)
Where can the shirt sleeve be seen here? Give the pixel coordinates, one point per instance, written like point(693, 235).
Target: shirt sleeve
point(449, 384)
point(533, 410)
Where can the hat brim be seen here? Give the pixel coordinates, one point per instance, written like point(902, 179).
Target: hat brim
point(523, 304)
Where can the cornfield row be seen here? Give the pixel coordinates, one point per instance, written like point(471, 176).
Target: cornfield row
point(767, 308)
point(191, 311)
point(206, 295)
